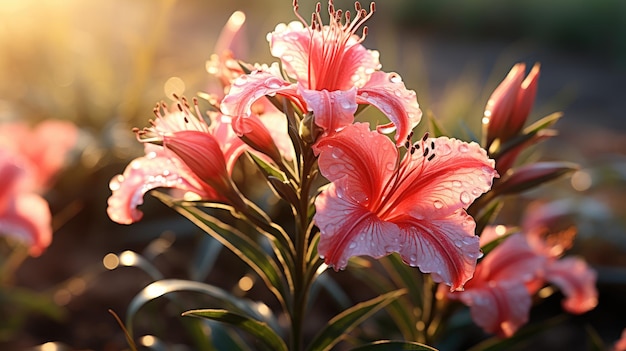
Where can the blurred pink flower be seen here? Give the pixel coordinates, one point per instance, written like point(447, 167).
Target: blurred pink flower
point(333, 73)
point(29, 160)
point(42, 150)
point(620, 345)
point(173, 165)
point(510, 103)
point(378, 203)
point(499, 295)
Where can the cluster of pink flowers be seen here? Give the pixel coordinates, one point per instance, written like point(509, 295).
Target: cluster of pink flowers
point(402, 196)
point(29, 160)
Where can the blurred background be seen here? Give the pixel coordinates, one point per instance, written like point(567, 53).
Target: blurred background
point(103, 64)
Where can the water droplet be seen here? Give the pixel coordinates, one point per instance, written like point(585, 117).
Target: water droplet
point(241, 80)
point(480, 254)
point(116, 182)
point(352, 245)
point(465, 197)
point(337, 153)
point(438, 204)
point(476, 192)
point(365, 95)
point(456, 184)
point(413, 259)
point(394, 78)
point(347, 104)
point(458, 243)
point(463, 147)
point(443, 149)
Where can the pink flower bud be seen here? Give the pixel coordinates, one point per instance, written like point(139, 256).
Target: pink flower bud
point(510, 103)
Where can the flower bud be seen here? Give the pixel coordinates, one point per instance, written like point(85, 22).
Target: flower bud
point(532, 175)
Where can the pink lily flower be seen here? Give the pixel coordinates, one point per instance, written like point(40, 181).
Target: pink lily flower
point(379, 203)
point(195, 158)
point(329, 73)
point(24, 214)
point(499, 295)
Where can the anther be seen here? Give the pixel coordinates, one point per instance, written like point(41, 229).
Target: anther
point(432, 145)
point(413, 149)
point(417, 146)
point(425, 136)
point(407, 144)
point(430, 158)
point(426, 150)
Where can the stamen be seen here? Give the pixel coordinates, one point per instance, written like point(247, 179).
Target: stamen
point(432, 145)
point(425, 136)
point(407, 144)
point(426, 150)
point(430, 158)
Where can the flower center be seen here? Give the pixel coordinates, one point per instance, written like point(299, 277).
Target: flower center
point(329, 44)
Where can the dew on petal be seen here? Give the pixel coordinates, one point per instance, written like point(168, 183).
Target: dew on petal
point(463, 148)
point(116, 183)
point(394, 78)
point(241, 80)
point(458, 243)
point(337, 153)
point(352, 245)
point(444, 149)
point(456, 184)
point(465, 198)
point(438, 204)
point(272, 83)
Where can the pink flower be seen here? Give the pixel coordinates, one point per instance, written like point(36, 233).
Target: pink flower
point(29, 160)
point(499, 295)
point(333, 73)
point(42, 149)
point(197, 159)
point(508, 107)
point(24, 215)
point(620, 345)
point(378, 203)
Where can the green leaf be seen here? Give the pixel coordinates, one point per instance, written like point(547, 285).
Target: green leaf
point(223, 297)
point(266, 168)
point(244, 247)
point(543, 123)
point(494, 243)
point(256, 328)
point(389, 345)
point(485, 217)
point(345, 322)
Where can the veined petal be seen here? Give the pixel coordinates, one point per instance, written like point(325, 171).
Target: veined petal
point(442, 175)
point(247, 89)
point(388, 93)
point(347, 229)
point(28, 219)
point(445, 247)
point(358, 160)
point(498, 308)
point(333, 110)
point(144, 174)
point(577, 282)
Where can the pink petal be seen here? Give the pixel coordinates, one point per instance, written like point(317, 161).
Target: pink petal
point(577, 282)
point(333, 110)
point(276, 124)
point(347, 229)
point(388, 93)
point(445, 247)
point(249, 88)
point(357, 159)
point(144, 174)
point(326, 59)
point(28, 219)
point(436, 186)
point(498, 308)
point(501, 103)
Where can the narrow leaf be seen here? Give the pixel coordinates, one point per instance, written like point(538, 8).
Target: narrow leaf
point(245, 248)
point(434, 126)
point(345, 322)
point(266, 168)
point(543, 123)
point(256, 328)
point(167, 286)
point(389, 345)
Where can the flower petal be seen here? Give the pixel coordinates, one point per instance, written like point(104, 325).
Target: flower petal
point(144, 174)
point(28, 219)
point(247, 89)
point(388, 93)
point(347, 229)
point(577, 282)
point(445, 247)
point(357, 160)
point(499, 308)
point(444, 175)
point(333, 110)
point(305, 56)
